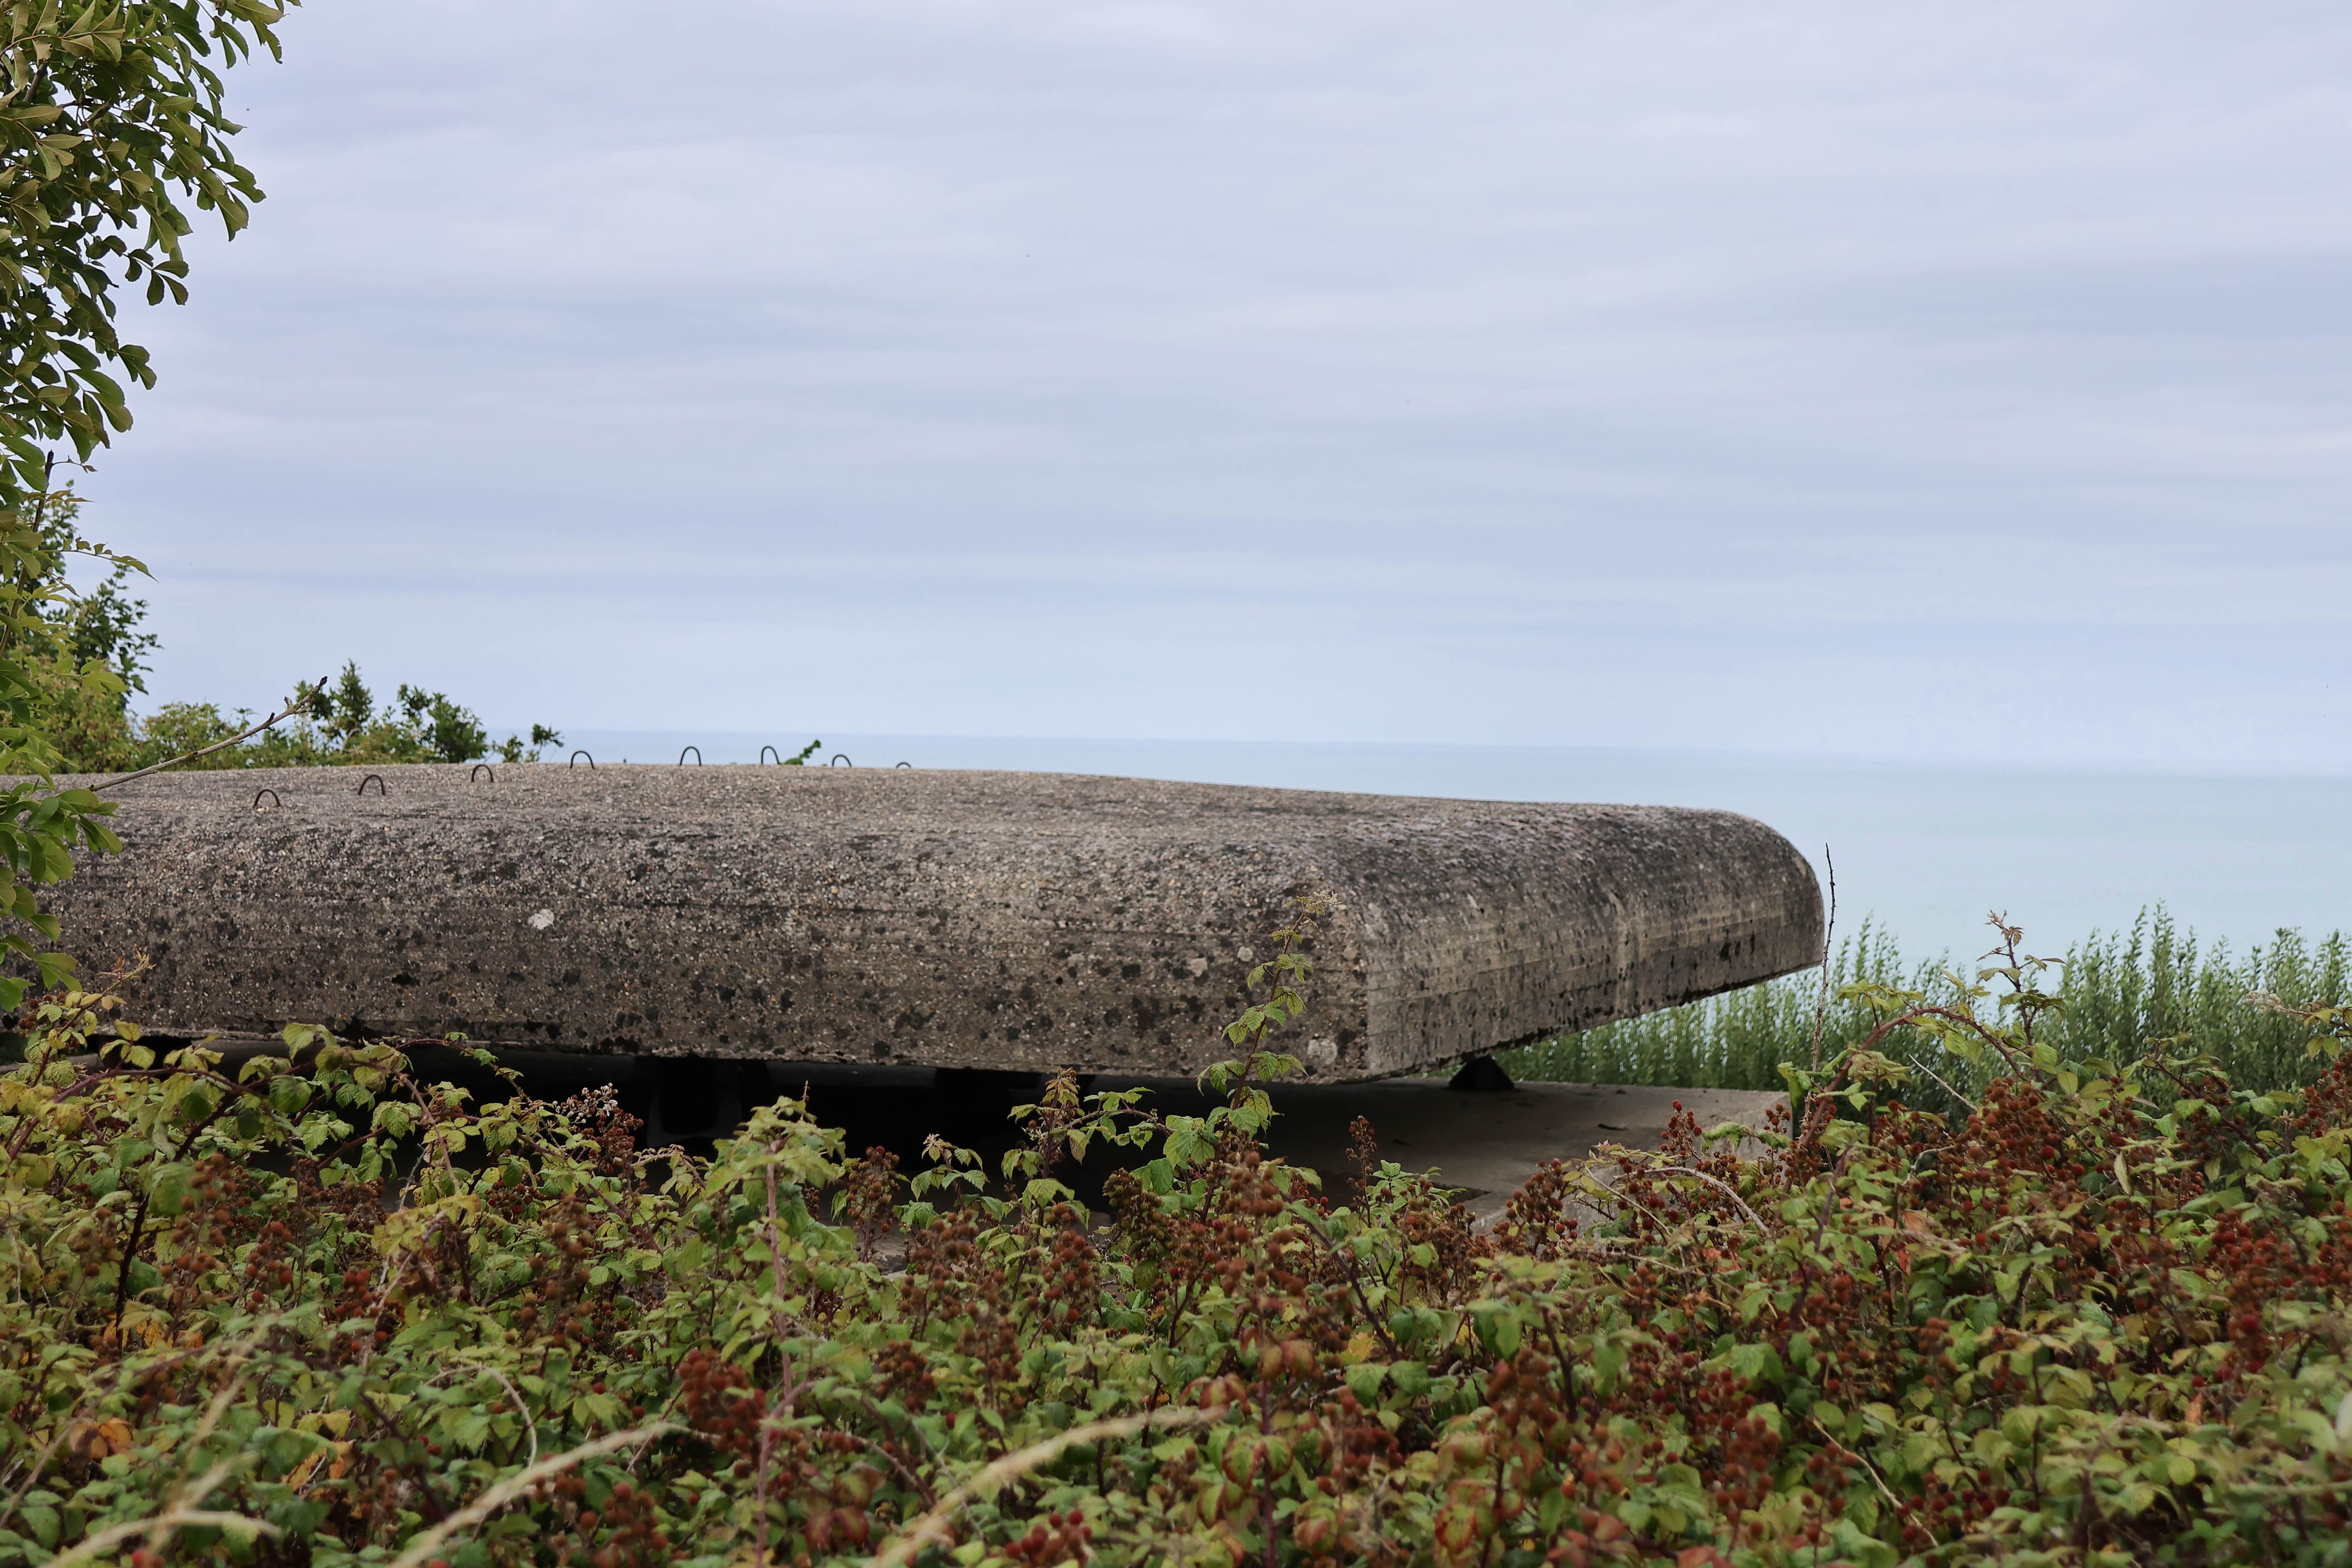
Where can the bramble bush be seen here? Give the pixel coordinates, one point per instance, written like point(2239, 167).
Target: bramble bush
point(314, 1306)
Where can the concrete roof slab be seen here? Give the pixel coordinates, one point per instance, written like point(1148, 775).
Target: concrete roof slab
point(1019, 921)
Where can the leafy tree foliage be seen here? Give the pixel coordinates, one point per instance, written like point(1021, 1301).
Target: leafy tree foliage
point(102, 624)
point(419, 726)
point(343, 724)
point(101, 654)
point(111, 128)
point(112, 120)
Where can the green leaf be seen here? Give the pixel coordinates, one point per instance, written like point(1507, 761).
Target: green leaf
point(167, 1191)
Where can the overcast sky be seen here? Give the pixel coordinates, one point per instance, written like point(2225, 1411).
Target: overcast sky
point(1875, 379)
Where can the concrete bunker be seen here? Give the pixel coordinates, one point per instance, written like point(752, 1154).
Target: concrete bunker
point(964, 921)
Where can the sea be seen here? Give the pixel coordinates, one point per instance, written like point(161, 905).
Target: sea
point(1928, 854)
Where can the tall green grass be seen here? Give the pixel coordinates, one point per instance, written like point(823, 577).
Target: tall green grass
point(2123, 991)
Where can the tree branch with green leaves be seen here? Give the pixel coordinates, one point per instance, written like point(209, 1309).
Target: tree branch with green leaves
point(113, 130)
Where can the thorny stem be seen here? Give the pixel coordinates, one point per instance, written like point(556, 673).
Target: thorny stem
point(775, 1239)
point(1829, 930)
point(522, 1407)
point(1947, 1087)
point(1838, 1447)
point(1567, 1368)
point(1356, 1288)
point(1265, 1485)
point(1728, 1191)
point(426, 1544)
point(130, 1255)
point(2016, 977)
point(1813, 1129)
point(760, 1488)
point(787, 1393)
point(99, 1542)
point(931, 1528)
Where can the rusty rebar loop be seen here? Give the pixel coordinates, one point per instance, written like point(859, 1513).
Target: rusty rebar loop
point(377, 780)
point(575, 761)
point(763, 756)
point(274, 801)
point(698, 756)
point(841, 759)
point(479, 769)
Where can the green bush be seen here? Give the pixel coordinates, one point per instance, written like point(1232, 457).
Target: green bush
point(343, 725)
point(95, 657)
point(320, 1308)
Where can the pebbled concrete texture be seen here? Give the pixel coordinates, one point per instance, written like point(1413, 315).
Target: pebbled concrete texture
point(1009, 921)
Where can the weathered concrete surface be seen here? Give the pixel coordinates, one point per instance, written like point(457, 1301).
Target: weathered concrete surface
point(982, 919)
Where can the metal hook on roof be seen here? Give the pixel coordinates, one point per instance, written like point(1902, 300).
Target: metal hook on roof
point(905, 765)
point(763, 756)
point(480, 768)
point(698, 756)
point(575, 761)
point(272, 794)
point(376, 779)
point(840, 759)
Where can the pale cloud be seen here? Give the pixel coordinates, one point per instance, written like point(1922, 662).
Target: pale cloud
point(1612, 374)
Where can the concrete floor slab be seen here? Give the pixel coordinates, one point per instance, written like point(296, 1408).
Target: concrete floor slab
point(1485, 1144)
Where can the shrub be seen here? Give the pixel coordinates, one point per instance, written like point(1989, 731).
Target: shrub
point(316, 1308)
point(339, 724)
point(90, 654)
